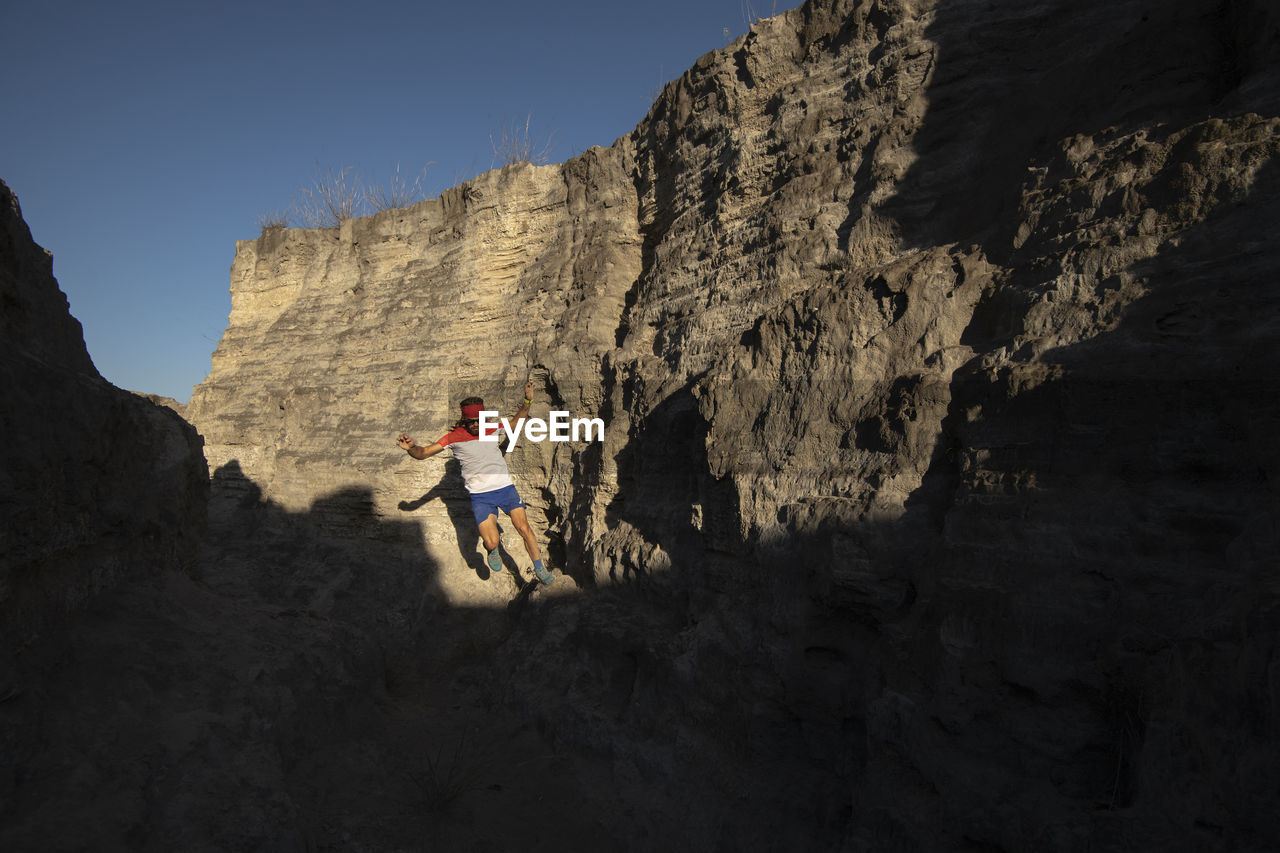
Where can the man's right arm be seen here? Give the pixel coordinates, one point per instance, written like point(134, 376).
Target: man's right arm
point(417, 451)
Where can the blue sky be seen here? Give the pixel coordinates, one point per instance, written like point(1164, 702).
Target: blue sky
point(143, 139)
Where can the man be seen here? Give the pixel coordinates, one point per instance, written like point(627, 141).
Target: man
point(485, 473)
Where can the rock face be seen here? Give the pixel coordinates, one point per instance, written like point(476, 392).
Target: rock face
point(936, 345)
point(97, 484)
point(340, 340)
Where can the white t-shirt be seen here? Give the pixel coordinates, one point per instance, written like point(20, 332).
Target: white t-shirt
point(483, 468)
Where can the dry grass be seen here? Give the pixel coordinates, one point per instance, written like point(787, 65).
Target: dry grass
point(274, 221)
point(335, 196)
point(396, 193)
point(516, 143)
point(452, 771)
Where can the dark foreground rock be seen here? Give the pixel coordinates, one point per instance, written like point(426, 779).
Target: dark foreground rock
point(98, 485)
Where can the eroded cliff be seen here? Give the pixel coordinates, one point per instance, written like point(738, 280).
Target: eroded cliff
point(936, 348)
point(101, 491)
point(97, 483)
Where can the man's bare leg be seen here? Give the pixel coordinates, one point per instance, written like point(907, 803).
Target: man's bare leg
point(521, 521)
point(489, 535)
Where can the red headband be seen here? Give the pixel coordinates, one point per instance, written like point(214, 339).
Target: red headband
point(472, 412)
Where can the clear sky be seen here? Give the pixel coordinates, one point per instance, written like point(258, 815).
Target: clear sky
point(144, 138)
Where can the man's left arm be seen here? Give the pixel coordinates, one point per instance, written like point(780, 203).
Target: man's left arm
point(520, 416)
point(528, 400)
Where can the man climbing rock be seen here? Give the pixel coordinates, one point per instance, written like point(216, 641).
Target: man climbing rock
point(485, 473)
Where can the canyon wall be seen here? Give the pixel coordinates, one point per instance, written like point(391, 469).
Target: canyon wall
point(98, 484)
point(936, 347)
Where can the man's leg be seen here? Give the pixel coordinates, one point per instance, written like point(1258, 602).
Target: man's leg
point(489, 535)
point(521, 521)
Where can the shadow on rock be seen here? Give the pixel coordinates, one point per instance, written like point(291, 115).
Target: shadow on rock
point(294, 690)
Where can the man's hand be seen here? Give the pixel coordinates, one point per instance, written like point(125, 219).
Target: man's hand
point(528, 390)
point(405, 442)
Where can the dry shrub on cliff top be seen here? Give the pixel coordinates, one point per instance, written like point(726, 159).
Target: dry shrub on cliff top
point(333, 197)
point(337, 195)
point(273, 221)
point(396, 193)
point(515, 144)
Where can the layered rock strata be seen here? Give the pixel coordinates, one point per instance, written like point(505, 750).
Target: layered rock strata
point(936, 348)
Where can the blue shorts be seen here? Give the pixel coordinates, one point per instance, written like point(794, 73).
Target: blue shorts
point(485, 504)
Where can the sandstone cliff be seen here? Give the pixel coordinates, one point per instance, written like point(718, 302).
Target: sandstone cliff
point(97, 483)
point(936, 347)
